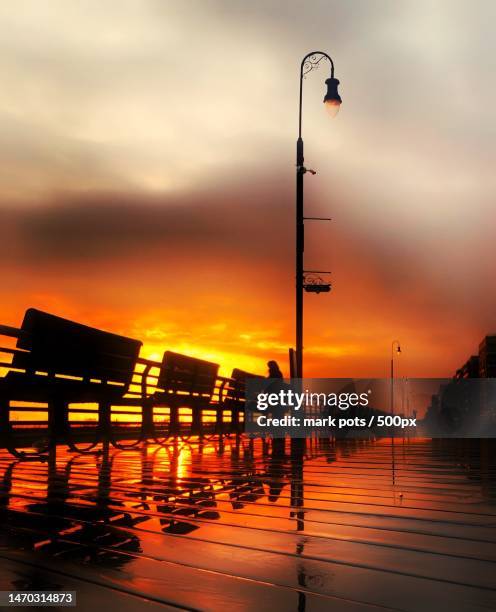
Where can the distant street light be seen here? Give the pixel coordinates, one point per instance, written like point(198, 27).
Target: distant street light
point(394, 345)
point(332, 101)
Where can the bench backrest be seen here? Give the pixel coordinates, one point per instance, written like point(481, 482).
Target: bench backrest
point(235, 393)
point(59, 346)
point(187, 375)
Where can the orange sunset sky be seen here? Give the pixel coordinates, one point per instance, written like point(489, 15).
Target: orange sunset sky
point(147, 176)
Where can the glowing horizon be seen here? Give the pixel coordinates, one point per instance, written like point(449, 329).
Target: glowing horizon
point(127, 205)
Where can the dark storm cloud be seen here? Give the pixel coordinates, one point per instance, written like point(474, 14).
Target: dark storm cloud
point(247, 223)
point(98, 226)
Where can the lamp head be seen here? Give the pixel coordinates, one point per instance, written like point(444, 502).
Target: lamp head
point(398, 349)
point(332, 99)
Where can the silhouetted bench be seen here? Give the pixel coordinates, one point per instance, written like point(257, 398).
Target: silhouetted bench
point(189, 382)
point(234, 393)
point(58, 362)
point(67, 366)
point(182, 382)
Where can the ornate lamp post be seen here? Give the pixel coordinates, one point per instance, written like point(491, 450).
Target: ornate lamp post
point(332, 101)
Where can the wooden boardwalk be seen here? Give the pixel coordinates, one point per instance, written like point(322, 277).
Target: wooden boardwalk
point(230, 524)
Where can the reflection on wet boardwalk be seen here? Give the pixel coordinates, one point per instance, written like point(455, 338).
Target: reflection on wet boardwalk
point(235, 524)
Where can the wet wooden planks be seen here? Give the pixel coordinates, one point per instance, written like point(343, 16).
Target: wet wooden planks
point(341, 529)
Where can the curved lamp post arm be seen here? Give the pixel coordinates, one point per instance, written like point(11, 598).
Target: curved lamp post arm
point(310, 62)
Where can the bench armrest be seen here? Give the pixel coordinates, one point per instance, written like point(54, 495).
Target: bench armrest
point(148, 362)
point(221, 387)
point(145, 374)
point(226, 379)
point(13, 332)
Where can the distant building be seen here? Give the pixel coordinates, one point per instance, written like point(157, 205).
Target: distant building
point(487, 357)
point(470, 369)
point(465, 404)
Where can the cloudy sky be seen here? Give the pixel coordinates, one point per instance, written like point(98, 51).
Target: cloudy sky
point(147, 175)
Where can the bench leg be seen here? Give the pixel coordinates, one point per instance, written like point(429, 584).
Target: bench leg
point(5, 430)
point(147, 423)
point(104, 419)
point(196, 420)
point(235, 419)
point(58, 421)
point(7, 436)
point(174, 420)
point(218, 420)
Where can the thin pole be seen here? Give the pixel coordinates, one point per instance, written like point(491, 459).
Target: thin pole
point(392, 385)
point(300, 236)
point(393, 344)
point(392, 412)
point(393, 462)
point(311, 60)
point(300, 247)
